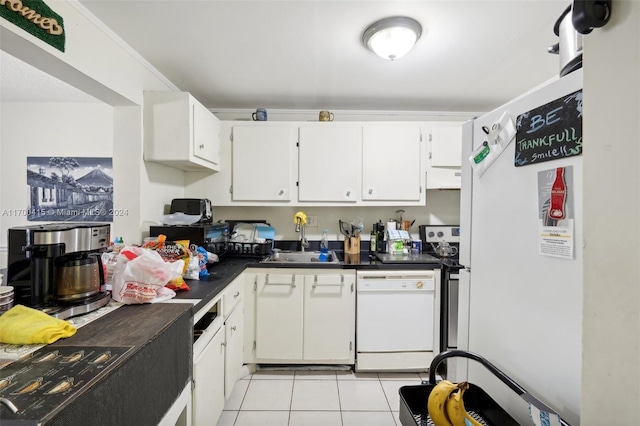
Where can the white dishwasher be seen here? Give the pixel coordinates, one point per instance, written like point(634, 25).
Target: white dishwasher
point(397, 319)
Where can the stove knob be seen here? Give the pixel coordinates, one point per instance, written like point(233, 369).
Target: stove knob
point(431, 234)
point(440, 234)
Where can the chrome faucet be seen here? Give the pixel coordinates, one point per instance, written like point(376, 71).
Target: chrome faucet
point(301, 227)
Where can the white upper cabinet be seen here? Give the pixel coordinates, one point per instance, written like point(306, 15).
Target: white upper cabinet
point(264, 166)
point(298, 163)
point(391, 163)
point(180, 132)
point(329, 163)
point(444, 155)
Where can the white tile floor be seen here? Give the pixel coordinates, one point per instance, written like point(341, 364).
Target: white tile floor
point(317, 398)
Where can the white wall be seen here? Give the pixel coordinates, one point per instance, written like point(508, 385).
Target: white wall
point(442, 208)
point(98, 63)
point(611, 323)
point(39, 130)
point(82, 130)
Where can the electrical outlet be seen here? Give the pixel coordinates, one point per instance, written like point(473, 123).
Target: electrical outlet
point(312, 221)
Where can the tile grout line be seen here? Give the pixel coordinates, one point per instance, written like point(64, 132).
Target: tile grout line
point(293, 388)
point(385, 395)
point(339, 402)
point(244, 395)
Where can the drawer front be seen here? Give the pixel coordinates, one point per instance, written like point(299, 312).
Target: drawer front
point(233, 294)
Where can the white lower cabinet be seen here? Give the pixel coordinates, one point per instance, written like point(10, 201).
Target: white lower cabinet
point(233, 328)
point(217, 353)
point(279, 310)
point(208, 381)
point(329, 317)
point(305, 316)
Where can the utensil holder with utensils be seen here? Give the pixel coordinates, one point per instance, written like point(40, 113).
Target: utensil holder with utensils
point(352, 245)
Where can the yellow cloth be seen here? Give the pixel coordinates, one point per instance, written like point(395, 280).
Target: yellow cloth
point(301, 216)
point(21, 325)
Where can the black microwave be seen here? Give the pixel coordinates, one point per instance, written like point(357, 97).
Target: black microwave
point(193, 206)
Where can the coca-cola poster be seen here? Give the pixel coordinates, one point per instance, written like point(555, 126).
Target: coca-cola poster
point(556, 212)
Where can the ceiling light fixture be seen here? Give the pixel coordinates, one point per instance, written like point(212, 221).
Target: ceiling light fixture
point(392, 38)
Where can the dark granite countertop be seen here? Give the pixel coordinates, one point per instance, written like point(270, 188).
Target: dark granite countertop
point(227, 269)
point(150, 347)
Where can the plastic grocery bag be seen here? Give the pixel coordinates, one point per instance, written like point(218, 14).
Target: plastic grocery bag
point(140, 276)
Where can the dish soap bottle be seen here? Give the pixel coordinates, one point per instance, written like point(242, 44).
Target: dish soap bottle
point(373, 242)
point(324, 246)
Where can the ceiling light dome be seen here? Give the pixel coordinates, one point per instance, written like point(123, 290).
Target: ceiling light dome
point(392, 38)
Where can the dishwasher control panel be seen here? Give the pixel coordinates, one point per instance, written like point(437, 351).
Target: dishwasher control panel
point(397, 281)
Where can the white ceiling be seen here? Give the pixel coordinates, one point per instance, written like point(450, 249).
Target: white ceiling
point(307, 54)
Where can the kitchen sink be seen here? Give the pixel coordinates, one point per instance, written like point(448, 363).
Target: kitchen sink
point(285, 256)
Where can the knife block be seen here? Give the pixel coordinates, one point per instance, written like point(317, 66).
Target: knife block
point(352, 245)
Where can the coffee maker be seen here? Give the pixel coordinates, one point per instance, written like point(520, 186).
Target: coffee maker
point(57, 267)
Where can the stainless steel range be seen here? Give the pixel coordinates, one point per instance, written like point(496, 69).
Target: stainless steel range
point(443, 242)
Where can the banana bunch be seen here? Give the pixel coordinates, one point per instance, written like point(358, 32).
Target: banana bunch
point(446, 406)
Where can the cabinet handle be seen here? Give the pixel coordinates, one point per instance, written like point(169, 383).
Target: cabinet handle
point(292, 284)
point(370, 191)
point(201, 146)
point(233, 328)
point(315, 283)
point(236, 295)
point(223, 343)
point(281, 192)
point(348, 193)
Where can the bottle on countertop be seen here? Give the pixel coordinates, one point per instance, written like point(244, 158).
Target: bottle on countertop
point(118, 244)
point(373, 242)
point(324, 246)
point(324, 241)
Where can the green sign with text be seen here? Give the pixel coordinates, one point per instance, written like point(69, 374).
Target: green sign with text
point(35, 17)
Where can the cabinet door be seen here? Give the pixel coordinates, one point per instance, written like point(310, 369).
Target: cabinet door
point(279, 311)
point(444, 156)
point(180, 132)
point(263, 163)
point(206, 134)
point(329, 317)
point(208, 382)
point(234, 327)
point(329, 163)
point(391, 160)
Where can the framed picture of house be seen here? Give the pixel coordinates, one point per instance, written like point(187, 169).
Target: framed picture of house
point(70, 189)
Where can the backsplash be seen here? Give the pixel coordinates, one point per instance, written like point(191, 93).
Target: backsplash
point(442, 208)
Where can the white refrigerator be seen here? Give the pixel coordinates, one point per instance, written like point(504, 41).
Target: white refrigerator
point(521, 289)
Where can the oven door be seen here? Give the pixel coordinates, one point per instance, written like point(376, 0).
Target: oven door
point(452, 314)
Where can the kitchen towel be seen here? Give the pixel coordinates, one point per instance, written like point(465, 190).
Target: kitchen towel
point(21, 325)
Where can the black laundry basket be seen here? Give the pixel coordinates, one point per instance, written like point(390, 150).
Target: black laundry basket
point(413, 399)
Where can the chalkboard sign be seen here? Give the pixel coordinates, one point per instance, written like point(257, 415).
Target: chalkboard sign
point(550, 132)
